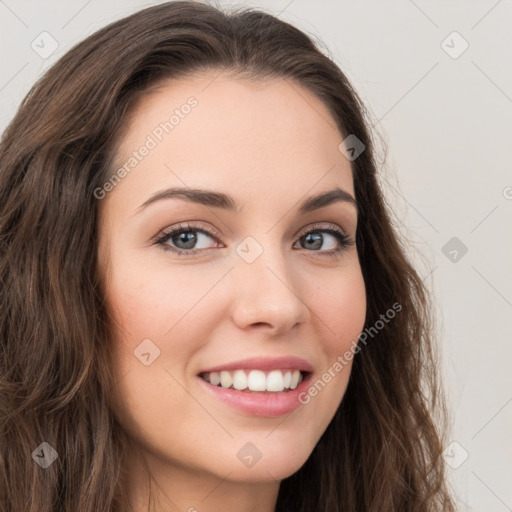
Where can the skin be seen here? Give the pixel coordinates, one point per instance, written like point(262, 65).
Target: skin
point(270, 144)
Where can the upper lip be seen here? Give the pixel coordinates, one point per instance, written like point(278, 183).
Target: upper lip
point(264, 363)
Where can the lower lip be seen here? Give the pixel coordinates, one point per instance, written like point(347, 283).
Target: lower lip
point(267, 404)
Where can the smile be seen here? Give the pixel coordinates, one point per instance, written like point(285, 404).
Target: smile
point(274, 381)
point(260, 402)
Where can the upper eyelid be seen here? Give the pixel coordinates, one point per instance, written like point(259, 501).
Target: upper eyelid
point(316, 226)
point(184, 227)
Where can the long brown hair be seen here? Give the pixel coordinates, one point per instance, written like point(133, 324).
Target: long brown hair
point(383, 449)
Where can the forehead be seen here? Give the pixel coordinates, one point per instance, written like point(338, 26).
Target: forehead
point(267, 138)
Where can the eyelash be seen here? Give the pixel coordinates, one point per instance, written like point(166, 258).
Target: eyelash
point(343, 238)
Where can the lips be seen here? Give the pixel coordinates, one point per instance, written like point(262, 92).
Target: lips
point(264, 364)
point(257, 403)
point(259, 386)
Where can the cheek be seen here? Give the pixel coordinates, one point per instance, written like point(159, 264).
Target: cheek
point(340, 308)
point(167, 306)
point(158, 301)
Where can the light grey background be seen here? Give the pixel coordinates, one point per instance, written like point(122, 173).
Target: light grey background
point(448, 126)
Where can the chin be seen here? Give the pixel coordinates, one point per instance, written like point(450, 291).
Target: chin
point(266, 461)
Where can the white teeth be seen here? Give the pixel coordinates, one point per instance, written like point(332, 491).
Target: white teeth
point(239, 380)
point(287, 379)
point(275, 381)
point(255, 380)
point(295, 379)
point(225, 379)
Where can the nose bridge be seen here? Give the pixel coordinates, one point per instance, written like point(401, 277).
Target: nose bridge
point(267, 289)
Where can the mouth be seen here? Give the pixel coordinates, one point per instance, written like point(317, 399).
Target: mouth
point(258, 386)
point(256, 381)
point(257, 393)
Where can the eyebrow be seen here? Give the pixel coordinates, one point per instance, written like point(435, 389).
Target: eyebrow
point(226, 202)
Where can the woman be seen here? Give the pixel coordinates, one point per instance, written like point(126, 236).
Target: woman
point(181, 329)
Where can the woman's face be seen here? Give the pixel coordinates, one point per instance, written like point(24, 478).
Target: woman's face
point(250, 294)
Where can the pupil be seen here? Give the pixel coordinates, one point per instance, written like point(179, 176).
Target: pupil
point(188, 237)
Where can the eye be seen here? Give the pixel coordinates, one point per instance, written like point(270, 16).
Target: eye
point(320, 235)
point(190, 240)
point(316, 240)
point(183, 239)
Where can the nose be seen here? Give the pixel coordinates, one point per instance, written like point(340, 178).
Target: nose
point(267, 294)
